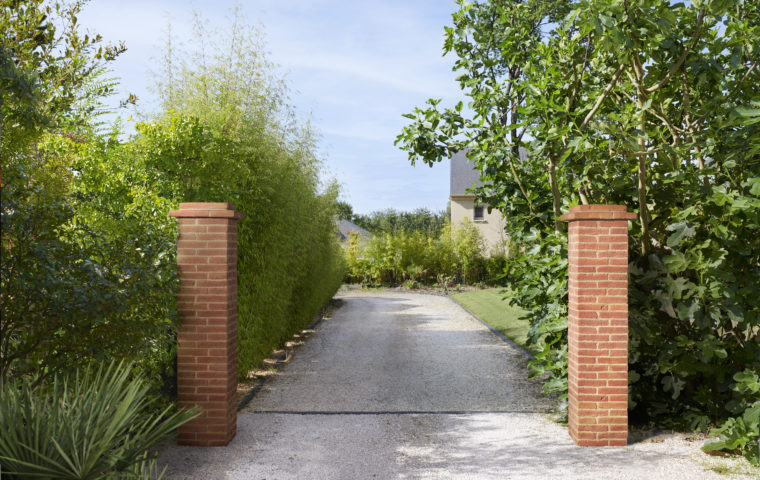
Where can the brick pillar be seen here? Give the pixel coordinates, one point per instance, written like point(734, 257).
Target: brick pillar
point(207, 307)
point(598, 324)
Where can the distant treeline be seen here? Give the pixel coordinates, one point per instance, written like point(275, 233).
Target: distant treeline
point(394, 221)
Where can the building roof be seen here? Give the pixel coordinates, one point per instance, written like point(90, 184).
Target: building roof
point(464, 175)
point(345, 228)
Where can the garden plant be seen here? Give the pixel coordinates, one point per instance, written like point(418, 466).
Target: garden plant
point(90, 424)
point(417, 258)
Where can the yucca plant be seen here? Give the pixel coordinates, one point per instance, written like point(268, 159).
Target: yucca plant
point(89, 425)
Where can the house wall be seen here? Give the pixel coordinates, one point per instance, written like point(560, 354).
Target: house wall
point(491, 227)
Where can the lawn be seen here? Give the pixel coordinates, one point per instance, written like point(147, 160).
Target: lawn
point(489, 306)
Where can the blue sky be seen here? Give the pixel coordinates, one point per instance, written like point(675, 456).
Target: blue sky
point(353, 66)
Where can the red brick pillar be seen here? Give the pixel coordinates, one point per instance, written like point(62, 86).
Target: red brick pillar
point(207, 307)
point(598, 324)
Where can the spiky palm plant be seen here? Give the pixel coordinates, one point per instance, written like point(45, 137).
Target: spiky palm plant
point(90, 425)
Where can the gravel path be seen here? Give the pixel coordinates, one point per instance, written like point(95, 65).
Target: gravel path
point(407, 386)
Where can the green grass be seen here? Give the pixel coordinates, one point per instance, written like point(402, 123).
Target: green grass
point(489, 307)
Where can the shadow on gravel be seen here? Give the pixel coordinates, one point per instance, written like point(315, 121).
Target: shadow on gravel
point(516, 446)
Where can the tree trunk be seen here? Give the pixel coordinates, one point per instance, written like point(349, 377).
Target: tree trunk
point(556, 199)
point(642, 184)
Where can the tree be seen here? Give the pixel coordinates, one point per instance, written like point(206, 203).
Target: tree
point(50, 74)
point(632, 102)
point(345, 210)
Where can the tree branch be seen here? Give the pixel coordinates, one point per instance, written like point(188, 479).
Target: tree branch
point(637, 65)
point(689, 125)
point(685, 53)
point(579, 75)
point(556, 195)
point(639, 154)
point(519, 183)
point(601, 98)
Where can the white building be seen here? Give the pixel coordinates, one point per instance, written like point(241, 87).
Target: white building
point(465, 178)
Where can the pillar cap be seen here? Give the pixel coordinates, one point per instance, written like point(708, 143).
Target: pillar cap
point(206, 210)
point(598, 212)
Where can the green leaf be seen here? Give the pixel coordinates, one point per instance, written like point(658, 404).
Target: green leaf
point(754, 184)
point(607, 21)
point(673, 384)
point(686, 310)
point(747, 381)
point(752, 115)
point(676, 262)
point(752, 416)
point(681, 231)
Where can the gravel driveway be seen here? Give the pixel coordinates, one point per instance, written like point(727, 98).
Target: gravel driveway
point(407, 386)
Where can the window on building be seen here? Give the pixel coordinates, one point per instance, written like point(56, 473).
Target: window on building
point(478, 213)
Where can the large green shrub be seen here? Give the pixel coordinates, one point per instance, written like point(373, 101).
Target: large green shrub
point(87, 273)
point(87, 250)
point(289, 260)
point(91, 424)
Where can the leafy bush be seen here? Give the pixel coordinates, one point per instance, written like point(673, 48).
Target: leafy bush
point(415, 258)
point(88, 249)
point(537, 279)
point(79, 264)
point(92, 424)
point(742, 433)
point(88, 269)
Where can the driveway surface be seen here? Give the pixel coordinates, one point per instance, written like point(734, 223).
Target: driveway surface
point(408, 386)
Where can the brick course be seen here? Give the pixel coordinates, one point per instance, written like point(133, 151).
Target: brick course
point(207, 307)
point(598, 324)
